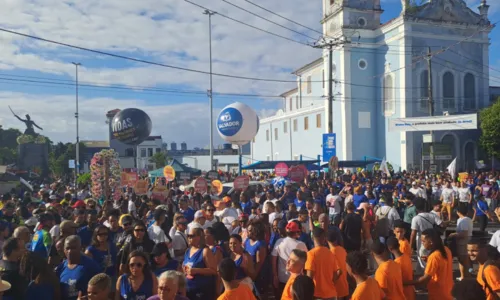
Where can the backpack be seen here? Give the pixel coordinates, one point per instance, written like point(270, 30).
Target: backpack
point(492, 292)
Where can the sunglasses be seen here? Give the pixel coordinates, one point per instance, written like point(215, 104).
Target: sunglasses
point(139, 230)
point(138, 265)
point(191, 236)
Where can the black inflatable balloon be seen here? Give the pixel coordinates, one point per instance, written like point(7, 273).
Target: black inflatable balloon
point(131, 126)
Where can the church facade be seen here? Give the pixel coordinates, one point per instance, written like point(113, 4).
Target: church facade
point(383, 73)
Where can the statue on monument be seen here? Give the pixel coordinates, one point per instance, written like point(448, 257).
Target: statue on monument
point(29, 124)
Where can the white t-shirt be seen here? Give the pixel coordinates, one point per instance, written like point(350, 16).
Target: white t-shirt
point(495, 240)
point(282, 249)
point(465, 224)
point(156, 234)
point(227, 216)
point(448, 195)
point(333, 202)
point(131, 208)
point(464, 194)
point(179, 243)
point(424, 221)
point(418, 192)
point(55, 231)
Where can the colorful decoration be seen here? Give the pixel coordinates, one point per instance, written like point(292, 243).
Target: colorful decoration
point(99, 174)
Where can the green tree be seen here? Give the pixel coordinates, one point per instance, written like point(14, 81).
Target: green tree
point(60, 156)
point(490, 126)
point(159, 159)
point(84, 179)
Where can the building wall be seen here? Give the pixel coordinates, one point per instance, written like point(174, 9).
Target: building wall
point(226, 163)
point(146, 150)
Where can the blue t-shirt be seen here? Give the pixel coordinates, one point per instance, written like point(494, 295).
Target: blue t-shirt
point(105, 259)
point(481, 205)
point(85, 234)
point(196, 261)
point(300, 204)
point(39, 291)
point(358, 199)
point(144, 292)
point(246, 207)
point(75, 280)
point(171, 265)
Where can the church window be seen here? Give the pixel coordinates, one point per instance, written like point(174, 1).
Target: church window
point(291, 104)
point(469, 92)
point(267, 135)
point(361, 22)
point(276, 134)
point(318, 121)
point(295, 125)
point(424, 90)
point(323, 76)
point(309, 86)
point(448, 91)
point(362, 64)
point(285, 127)
point(306, 123)
point(388, 95)
point(297, 102)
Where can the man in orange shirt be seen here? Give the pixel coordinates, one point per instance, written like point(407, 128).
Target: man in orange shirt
point(341, 285)
point(233, 289)
point(321, 266)
point(294, 265)
point(404, 261)
point(488, 275)
point(367, 288)
point(388, 274)
point(399, 232)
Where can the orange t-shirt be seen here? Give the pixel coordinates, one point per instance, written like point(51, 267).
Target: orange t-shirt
point(287, 291)
point(368, 290)
point(492, 276)
point(242, 292)
point(404, 261)
point(404, 247)
point(389, 277)
point(440, 270)
point(341, 284)
point(324, 264)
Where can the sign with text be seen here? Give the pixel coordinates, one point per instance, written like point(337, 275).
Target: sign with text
point(298, 173)
point(141, 187)
point(281, 169)
point(453, 122)
point(169, 173)
point(329, 146)
point(129, 178)
point(184, 175)
point(200, 185)
point(213, 175)
point(241, 182)
point(216, 186)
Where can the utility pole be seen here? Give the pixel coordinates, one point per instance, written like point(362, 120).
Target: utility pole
point(210, 91)
point(77, 146)
point(431, 102)
point(330, 45)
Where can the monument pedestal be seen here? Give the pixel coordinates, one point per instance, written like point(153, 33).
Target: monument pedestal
point(33, 156)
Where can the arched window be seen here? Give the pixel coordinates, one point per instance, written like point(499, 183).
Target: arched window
point(448, 91)
point(469, 92)
point(424, 90)
point(388, 95)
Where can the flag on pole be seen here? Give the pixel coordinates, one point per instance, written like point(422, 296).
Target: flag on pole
point(452, 169)
point(384, 168)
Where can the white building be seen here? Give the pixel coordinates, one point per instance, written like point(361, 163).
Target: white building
point(382, 75)
point(146, 149)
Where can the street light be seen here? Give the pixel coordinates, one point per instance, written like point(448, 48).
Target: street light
point(210, 92)
point(77, 159)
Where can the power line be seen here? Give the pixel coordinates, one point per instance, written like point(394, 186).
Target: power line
point(471, 59)
point(285, 18)
point(248, 25)
point(142, 60)
point(272, 22)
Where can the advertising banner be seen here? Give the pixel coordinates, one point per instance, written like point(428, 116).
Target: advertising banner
point(329, 146)
point(141, 187)
point(169, 173)
point(454, 122)
point(129, 178)
point(241, 183)
point(281, 169)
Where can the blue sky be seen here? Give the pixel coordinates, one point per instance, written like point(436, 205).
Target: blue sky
point(171, 32)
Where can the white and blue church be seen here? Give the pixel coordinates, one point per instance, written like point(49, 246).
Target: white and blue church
point(383, 73)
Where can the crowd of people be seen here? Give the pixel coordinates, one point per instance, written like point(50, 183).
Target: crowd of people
point(358, 236)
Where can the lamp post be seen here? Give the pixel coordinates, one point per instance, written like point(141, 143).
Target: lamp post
point(210, 92)
point(77, 146)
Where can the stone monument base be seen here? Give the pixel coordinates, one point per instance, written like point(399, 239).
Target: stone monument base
point(33, 156)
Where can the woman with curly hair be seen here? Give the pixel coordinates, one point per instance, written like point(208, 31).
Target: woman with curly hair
point(43, 282)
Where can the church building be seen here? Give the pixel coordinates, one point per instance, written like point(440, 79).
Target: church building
point(381, 73)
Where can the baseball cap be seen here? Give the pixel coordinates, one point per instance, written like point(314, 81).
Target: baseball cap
point(79, 204)
point(199, 214)
point(159, 249)
point(292, 227)
point(67, 225)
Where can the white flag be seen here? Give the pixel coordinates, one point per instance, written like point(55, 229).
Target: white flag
point(452, 169)
point(384, 168)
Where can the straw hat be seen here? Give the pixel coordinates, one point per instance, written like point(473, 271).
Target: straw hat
point(4, 285)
